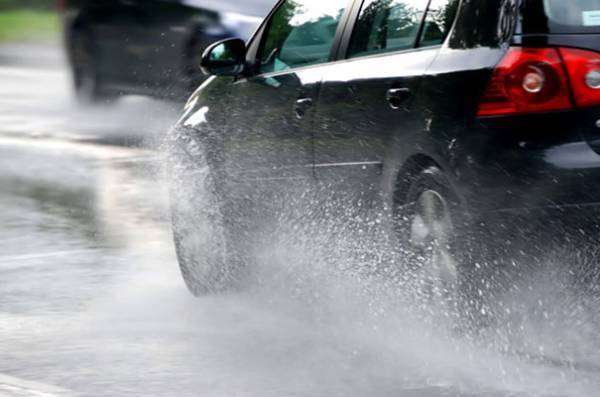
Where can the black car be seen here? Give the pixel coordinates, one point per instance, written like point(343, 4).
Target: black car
point(150, 47)
point(465, 123)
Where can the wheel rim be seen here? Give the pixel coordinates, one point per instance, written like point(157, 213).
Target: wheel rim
point(431, 233)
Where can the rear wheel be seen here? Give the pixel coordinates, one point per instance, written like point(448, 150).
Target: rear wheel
point(429, 234)
point(447, 261)
point(86, 79)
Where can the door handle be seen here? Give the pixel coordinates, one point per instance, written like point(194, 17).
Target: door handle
point(301, 106)
point(397, 97)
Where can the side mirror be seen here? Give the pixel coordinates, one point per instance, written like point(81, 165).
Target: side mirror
point(225, 58)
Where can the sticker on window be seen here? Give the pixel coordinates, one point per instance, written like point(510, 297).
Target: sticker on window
point(591, 18)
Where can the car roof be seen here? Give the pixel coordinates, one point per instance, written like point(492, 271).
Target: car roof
point(257, 8)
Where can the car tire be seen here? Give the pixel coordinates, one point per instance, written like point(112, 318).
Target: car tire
point(86, 80)
point(204, 244)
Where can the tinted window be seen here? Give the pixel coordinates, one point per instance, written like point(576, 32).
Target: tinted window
point(386, 25)
point(438, 22)
point(578, 13)
point(300, 33)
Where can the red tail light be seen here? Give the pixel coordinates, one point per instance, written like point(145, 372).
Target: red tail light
point(527, 80)
point(583, 68)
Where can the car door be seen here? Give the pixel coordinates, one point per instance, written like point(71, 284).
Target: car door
point(145, 40)
point(163, 31)
point(367, 107)
point(111, 22)
point(268, 137)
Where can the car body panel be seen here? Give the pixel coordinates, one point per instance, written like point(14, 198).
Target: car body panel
point(265, 138)
point(356, 127)
point(497, 165)
point(146, 47)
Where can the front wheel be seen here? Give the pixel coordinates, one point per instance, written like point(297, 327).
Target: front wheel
point(205, 247)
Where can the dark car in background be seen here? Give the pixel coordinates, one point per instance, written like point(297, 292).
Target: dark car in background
point(451, 116)
point(149, 47)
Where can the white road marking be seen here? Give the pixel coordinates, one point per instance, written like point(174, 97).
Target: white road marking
point(104, 152)
point(15, 387)
point(352, 164)
point(19, 71)
point(25, 257)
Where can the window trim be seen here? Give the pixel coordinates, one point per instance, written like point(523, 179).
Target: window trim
point(390, 53)
point(257, 43)
point(355, 59)
point(452, 26)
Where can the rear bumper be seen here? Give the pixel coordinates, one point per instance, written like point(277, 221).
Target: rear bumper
point(539, 162)
point(534, 182)
point(541, 233)
point(576, 220)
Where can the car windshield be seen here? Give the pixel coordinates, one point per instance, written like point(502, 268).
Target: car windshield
point(574, 13)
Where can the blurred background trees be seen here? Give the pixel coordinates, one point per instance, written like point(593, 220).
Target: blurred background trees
point(31, 4)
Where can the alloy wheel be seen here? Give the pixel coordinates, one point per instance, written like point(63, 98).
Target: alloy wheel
point(431, 234)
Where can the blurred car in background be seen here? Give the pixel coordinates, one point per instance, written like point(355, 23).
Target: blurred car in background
point(147, 47)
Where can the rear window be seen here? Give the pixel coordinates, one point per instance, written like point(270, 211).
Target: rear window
point(571, 16)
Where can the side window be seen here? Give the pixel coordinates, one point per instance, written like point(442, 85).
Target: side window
point(438, 22)
point(300, 33)
point(386, 25)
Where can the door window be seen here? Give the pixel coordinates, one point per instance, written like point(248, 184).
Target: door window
point(438, 22)
point(386, 25)
point(300, 33)
point(574, 12)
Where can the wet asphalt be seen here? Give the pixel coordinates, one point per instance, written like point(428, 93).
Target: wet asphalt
point(92, 303)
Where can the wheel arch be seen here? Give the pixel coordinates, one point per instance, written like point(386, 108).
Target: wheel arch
point(407, 173)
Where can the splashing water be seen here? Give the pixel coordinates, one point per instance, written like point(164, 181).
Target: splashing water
point(349, 316)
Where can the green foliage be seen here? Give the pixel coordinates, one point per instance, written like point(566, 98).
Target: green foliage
point(280, 28)
point(32, 4)
point(29, 25)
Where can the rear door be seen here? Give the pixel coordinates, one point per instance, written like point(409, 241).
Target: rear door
point(366, 105)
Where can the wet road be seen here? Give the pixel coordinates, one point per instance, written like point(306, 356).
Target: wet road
point(36, 101)
point(91, 301)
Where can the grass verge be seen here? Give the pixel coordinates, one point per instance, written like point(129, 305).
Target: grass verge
point(29, 26)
